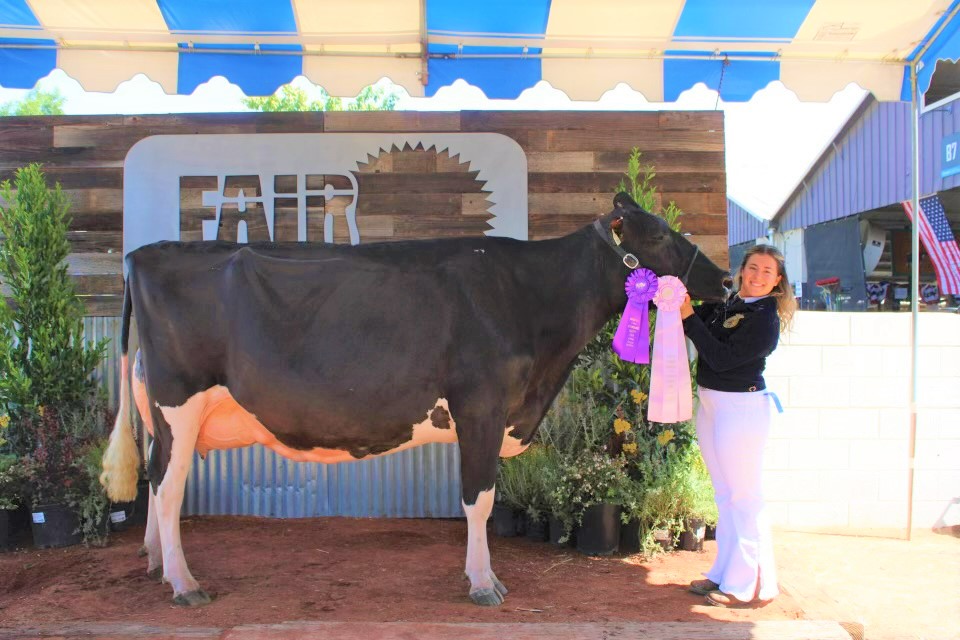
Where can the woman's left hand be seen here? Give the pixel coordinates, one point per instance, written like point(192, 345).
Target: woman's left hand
point(686, 309)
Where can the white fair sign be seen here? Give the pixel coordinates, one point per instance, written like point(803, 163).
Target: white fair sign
point(153, 169)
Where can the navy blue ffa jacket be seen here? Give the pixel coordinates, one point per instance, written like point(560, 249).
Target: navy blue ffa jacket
point(734, 340)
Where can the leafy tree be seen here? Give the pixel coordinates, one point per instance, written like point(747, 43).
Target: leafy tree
point(43, 358)
point(291, 98)
point(643, 191)
point(35, 103)
point(48, 400)
point(374, 98)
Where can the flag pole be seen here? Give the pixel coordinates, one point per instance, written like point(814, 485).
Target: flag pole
point(914, 290)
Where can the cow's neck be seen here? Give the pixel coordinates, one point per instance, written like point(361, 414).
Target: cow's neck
point(609, 274)
point(584, 279)
point(589, 282)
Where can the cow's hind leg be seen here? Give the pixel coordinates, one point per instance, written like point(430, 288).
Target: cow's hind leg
point(184, 425)
point(151, 540)
point(479, 448)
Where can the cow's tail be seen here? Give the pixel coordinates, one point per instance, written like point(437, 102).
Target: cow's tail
point(121, 460)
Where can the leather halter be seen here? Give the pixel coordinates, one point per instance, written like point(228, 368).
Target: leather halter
point(631, 261)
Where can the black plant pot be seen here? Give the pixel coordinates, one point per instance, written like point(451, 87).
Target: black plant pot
point(555, 526)
point(128, 514)
point(504, 521)
point(520, 521)
point(664, 537)
point(711, 532)
point(630, 537)
point(599, 533)
point(6, 535)
point(692, 537)
point(55, 525)
point(537, 529)
point(18, 529)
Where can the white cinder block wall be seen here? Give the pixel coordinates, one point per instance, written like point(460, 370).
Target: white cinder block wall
point(838, 456)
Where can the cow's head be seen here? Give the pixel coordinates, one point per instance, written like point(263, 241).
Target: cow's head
point(664, 251)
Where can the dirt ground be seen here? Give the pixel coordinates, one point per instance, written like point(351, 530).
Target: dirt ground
point(264, 571)
point(342, 569)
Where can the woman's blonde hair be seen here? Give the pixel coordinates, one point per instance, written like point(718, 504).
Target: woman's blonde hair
point(782, 291)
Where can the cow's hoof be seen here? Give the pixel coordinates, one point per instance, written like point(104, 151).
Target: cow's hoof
point(502, 590)
point(487, 597)
point(196, 598)
point(155, 574)
point(142, 551)
point(496, 583)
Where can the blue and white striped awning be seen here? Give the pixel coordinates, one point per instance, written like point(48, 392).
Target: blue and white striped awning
point(583, 47)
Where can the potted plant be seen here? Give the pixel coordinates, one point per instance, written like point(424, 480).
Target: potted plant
point(575, 426)
point(46, 388)
point(9, 497)
point(539, 463)
point(507, 505)
point(592, 485)
point(68, 504)
point(697, 507)
point(521, 494)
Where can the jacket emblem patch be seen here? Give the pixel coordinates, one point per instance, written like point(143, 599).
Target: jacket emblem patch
point(733, 321)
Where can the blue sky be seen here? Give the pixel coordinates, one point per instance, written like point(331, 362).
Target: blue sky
point(771, 141)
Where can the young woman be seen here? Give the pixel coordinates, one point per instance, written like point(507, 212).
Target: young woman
point(733, 419)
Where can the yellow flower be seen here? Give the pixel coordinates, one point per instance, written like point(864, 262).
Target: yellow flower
point(4, 421)
point(40, 410)
point(665, 437)
point(630, 447)
point(620, 425)
point(638, 396)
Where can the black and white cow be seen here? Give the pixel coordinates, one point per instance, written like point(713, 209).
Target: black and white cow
point(332, 353)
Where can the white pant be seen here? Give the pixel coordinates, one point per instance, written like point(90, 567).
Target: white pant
point(732, 429)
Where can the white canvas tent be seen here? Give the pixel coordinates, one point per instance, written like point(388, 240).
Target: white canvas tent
point(660, 48)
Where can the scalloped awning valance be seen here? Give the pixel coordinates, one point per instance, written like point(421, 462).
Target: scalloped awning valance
point(584, 48)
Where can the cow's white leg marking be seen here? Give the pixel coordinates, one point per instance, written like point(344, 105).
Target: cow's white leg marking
point(511, 446)
point(151, 540)
point(184, 424)
point(484, 586)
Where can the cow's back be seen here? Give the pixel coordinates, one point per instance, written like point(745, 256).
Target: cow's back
point(324, 340)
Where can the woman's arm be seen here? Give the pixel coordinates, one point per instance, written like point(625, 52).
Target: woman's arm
point(757, 338)
point(703, 311)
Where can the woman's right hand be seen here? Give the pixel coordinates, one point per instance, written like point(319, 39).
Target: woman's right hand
point(686, 309)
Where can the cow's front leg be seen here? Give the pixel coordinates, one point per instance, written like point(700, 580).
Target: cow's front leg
point(479, 447)
point(485, 588)
point(184, 425)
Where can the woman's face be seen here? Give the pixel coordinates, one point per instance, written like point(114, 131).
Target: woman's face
point(759, 276)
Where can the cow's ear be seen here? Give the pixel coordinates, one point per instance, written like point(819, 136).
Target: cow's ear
point(616, 224)
point(623, 201)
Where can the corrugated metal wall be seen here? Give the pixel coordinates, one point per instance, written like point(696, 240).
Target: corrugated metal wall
point(108, 373)
point(416, 483)
point(743, 226)
point(871, 167)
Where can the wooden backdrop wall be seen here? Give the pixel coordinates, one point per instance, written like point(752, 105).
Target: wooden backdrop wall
point(575, 161)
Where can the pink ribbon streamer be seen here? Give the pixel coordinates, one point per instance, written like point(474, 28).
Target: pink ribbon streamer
point(671, 394)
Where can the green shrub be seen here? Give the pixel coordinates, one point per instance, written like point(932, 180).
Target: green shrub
point(523, 481)
point(43, 358)
point(48, 397)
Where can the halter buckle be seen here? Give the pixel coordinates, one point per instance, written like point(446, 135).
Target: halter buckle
point(631, 261)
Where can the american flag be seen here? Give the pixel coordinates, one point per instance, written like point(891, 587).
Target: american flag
point(939, 242)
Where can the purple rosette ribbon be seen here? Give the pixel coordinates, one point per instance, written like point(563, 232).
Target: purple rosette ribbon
point(632, 340)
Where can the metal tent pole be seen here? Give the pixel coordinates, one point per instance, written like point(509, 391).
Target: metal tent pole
point(914, 290)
